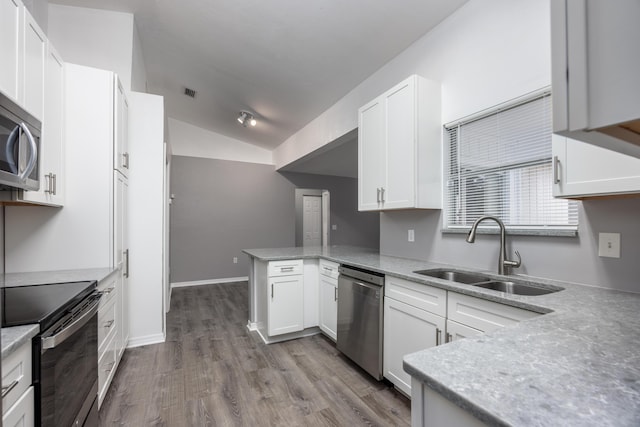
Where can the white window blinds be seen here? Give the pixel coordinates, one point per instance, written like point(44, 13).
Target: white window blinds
point(499, 163)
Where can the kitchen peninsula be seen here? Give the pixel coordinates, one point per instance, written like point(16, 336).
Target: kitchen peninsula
point(576, 363)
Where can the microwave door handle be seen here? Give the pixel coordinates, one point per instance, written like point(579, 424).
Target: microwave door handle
point(54, 340)
point(33, 156)
point(11, 142)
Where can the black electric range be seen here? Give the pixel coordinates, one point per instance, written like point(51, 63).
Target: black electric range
point(42, 304)
point(65, 352)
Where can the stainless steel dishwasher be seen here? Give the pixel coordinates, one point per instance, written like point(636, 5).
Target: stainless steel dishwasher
point(360, 308)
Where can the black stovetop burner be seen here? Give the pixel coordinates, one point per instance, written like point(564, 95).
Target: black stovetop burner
point(42, 304)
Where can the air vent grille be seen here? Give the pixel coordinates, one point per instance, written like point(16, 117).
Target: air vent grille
point(190, 92)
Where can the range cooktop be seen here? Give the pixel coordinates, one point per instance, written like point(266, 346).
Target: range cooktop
point(43, 304)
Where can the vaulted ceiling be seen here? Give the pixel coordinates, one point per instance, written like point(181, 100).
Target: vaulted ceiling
point(286, 61)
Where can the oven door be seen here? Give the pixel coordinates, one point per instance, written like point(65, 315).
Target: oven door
point(67, 382)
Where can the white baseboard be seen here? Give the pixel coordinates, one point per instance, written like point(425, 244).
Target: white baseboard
point(146, 340)
point(209, 282)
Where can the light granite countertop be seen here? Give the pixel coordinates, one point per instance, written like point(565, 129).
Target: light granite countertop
point(578, 364)
point(13, 337)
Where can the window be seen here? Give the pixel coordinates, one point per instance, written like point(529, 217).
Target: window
point(498, 163)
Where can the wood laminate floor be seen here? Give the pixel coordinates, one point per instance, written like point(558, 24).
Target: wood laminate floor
point(212, 371)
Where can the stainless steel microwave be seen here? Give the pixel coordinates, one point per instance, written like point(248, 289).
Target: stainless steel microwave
point(19, 147)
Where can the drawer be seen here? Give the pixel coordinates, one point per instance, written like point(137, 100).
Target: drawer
point(107, 322)
point(106, 367)
point(108, 289)
point(22, 413)
point(16, 375)
point(285, 268)
point(484, 315)
point(425, 297)
point(329, 268)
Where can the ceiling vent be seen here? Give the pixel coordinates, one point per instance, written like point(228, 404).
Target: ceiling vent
point(190, 92)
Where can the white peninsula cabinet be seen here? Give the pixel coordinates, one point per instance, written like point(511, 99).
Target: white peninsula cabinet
point(17, 391)
point(586, 170)
point(595, 69)
point(329, 298)
point(399, 148)
point(285, 302)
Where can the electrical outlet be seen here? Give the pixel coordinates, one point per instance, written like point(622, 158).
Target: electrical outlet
point(609, 245)
point(235, 259)
point(411, 236)
point(334, 227)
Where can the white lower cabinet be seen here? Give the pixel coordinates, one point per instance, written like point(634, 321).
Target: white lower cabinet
point(329, 298)
point(407, 329)
point(21, 414)
point(17, 399)
point(457, 331)
point(285, 300)
point(110, 346)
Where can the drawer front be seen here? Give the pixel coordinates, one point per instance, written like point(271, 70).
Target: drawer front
point(329, 268)
point(107, 323)
point(285, 268)
point(16, 375)
point(424, 297)
point(108, 289)
point(484, 315)
point(22, 413)
point(106, 367)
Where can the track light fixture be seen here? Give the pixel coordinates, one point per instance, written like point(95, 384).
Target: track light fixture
point(245, 118)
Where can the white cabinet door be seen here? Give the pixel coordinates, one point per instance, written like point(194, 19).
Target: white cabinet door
point(21, 414)
point(457, 331)
point(285, 305)
point(9, 46)
point(52, 185)
point(583, 169)
point(406, 330)
point(400, 148)
point(121, 256)
point(121, 145)
point(595, 72)
point(329, 306)
point(371, 148)
point(34, 53)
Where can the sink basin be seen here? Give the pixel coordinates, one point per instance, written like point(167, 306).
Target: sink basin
point(454, 276)
point(514, 288)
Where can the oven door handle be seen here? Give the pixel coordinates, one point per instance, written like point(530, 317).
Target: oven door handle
point(54, 340)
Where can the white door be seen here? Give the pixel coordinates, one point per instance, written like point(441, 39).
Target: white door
point(312, 221)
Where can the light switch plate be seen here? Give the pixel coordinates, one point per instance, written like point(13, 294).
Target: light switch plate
point(609, 245)
point(411, 236)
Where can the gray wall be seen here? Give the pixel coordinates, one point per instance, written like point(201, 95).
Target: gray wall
point(572, 259)
point(222, 207)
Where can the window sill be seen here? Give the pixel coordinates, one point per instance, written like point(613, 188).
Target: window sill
point(547, 232)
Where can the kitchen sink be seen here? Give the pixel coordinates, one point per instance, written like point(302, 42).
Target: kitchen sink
point(515, 288)
point(454, 276)
point(482, 281)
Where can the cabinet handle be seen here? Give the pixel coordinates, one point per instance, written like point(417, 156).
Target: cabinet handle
point(107, 291)
point(378, 196)
point(110, 367)
point(382, 194)
point(125, 160)
point(272, 291)
point(556, 171)
point(335, 294)
point(448, 338)
point(327, 268)
point(285, 269)
point(126, 263)
point(109, 323)
point(7, 389)
point(55, 183)
point(438, 336)
point(49, 183)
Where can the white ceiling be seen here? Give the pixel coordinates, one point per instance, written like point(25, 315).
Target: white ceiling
point(284, 60)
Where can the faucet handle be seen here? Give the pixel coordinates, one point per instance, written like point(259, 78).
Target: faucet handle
point(514, 264)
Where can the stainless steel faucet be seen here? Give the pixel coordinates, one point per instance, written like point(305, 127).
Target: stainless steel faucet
point(502, 258)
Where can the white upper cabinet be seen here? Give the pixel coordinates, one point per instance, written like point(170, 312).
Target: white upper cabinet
point(9, 46)
point(51, 191)
point(586, 170)
point(399, 148)
point(596, 72)
point(34, 54)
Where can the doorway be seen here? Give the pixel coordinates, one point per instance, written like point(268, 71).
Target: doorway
point(312, 217)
